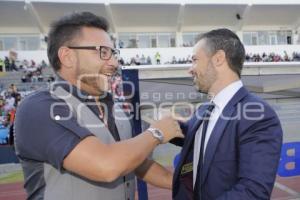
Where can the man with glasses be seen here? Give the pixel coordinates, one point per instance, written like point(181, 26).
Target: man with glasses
point(73, 143)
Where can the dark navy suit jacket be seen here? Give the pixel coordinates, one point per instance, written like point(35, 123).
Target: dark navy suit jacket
point(242, 154)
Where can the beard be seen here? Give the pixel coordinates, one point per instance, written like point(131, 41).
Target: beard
point(95, 82)
point(203, 82)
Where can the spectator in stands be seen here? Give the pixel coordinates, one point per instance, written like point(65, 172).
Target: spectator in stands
point(264, 57)
point(32, 64)
point(137, 60)
point(121, 62)
point(179, 61)
point(10, 120)
point(143, 60)
point(149, 62)
point(34, 77)
point(286, 57)
point(296, 56)
point(13, 91)
point(40, 78)
point(84, 155)
point(6, 63)
point(24, 77)
point(157, 58)
point(121, 44)
point(51, 79)
point(13, 66)
point(43, 64)
point(174, 61)
point(132, 61)
point(1, 65)
point(25, 64)
point(9, 103)
point(189, 59)
point(2, 104)
point(247, 58)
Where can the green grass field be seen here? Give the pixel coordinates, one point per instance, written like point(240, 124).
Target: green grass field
point(12, 178)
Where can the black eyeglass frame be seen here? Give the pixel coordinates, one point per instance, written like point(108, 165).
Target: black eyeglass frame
point(115, 52)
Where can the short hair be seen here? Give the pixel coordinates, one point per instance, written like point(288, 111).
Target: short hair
point(229, 42)
point(64, 30)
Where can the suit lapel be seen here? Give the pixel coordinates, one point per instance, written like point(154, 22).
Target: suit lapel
point(219, 130)
point(188, 142)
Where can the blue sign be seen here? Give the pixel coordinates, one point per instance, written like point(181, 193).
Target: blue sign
point(290, 160)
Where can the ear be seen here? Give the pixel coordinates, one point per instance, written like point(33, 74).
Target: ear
point(66, 57)
point(219, 58)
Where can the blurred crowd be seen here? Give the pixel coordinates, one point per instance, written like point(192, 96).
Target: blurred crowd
point(9, 101)
point(141, 60)
point(7, 64)
point(264, 57)
point(272, 57)
point(32, 72)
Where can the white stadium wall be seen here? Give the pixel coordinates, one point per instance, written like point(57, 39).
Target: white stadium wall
point(166, 53)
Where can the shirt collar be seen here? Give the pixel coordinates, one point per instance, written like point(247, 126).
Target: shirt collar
point(225, 95)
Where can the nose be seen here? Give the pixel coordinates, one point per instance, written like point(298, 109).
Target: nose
point(191, 71)
point(113, 65)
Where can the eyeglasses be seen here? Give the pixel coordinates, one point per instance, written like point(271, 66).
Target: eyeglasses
point(105, 52)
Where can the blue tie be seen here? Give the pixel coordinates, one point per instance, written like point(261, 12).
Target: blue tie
point(205, 122)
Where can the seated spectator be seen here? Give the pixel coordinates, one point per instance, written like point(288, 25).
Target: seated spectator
point(40, 78)
point(132, 61)
point(25, 64)
point(24, 78)
point(149, 62)
point(286, 57)
point(121, 44)
point(296, 56)
point(32, 64)
point(265, 57)
point(51, 79)
point(143, 60)
point(174, 61)
point(137, 60)
point(43, 64)
point(121, 61)
point(189, 59)
point(34, 77)
point(247, 58)
point(7, 64)
point(2, 111)
point(13, 66)
point(1, 65)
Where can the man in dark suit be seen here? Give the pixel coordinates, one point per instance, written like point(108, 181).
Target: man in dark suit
point(232, 144)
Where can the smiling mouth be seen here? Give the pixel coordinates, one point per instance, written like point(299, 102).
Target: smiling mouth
point(109, 75)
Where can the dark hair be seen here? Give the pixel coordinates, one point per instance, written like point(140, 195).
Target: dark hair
point(229, 42)
point(63, 31)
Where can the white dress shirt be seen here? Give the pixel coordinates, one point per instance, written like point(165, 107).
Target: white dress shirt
point(220, 101)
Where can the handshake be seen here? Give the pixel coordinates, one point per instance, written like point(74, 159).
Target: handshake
point(166, 129)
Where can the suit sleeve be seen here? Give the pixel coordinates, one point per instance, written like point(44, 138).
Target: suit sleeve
point(259, 154)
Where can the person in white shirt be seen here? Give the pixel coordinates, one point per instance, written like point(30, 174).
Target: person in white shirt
point(232, 143)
